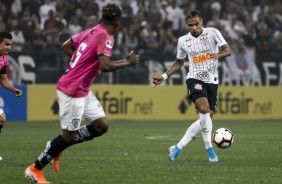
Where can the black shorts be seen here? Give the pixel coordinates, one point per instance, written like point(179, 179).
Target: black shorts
point(197, 89)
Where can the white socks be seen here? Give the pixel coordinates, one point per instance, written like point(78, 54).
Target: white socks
point(192, 133)
point(206, 124)
point(203, 125)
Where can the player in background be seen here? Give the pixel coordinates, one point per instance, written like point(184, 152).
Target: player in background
point(91, 52)
point(5, 47)
point(203, 46)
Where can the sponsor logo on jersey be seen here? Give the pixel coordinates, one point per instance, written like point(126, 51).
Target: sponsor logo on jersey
point(201, 58)
point(109, 44)
point(203, 75)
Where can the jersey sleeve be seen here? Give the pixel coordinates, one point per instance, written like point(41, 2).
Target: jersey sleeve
point(181, 54)
point(218, 37)
point(75, 39)
point(105, 45)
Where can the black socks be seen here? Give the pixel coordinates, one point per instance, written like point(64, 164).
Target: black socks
point(51, 151)
point(85, 133)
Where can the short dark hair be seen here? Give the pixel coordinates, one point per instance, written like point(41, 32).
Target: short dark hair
point(111, 12)
point(192, 14)
point(5, 34)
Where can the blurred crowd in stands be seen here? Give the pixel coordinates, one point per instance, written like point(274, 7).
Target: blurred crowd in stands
point(149, 26)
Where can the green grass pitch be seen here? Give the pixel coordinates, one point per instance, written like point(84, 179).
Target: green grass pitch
point(135, 152)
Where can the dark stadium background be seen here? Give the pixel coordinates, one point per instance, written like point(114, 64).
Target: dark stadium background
point(150, 28)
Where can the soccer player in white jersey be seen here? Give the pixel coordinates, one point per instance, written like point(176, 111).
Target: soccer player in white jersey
point(203, 46)
point(91, 52)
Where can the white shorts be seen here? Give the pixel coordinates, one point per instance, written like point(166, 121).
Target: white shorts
point(1, 111)
point(72, 110)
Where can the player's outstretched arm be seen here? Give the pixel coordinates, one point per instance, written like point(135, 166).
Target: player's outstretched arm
point(177, 64)
point(107, 65)
point(6, 83)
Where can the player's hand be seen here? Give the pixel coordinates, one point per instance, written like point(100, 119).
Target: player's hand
point(157, 80)
point(132, 58)
point(214, 56)
point(18, 92)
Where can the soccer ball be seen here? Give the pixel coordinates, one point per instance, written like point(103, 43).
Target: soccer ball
point(223, 138)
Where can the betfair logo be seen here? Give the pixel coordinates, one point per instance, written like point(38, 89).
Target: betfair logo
point(201, 58)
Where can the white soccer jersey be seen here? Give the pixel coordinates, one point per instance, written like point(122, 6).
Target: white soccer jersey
point(201, 66)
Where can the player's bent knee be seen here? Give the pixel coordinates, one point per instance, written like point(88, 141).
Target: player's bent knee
point(203, 109)
point(95, 132)
point(100, 126)
point(102, 129)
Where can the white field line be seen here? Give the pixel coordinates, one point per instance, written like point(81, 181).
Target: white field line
point(160, 137)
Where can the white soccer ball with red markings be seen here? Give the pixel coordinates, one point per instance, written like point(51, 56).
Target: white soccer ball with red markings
point(223, 138)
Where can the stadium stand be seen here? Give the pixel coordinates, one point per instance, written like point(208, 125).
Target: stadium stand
point(150, 27)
